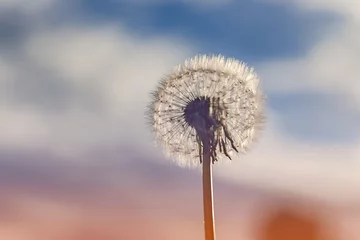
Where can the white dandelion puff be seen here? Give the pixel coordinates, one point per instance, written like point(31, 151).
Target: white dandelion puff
point(207, 97)
point(202, 112)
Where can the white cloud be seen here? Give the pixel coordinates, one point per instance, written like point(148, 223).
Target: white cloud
point(107, 58)
point(100, 77)
point(348, 8)
point(332, 60)
point(330, 66)
point(28, 7)
point(321, 171)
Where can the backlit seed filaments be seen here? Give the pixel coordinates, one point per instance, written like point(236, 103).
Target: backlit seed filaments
point(209, 99)
point(205, 115)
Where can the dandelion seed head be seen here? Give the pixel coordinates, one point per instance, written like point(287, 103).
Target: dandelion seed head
point(206, 93)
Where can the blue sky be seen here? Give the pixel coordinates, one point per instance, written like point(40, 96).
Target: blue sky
point(249, 30)
point(75, 78)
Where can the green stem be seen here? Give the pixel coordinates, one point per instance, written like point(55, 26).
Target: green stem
point(207, 193)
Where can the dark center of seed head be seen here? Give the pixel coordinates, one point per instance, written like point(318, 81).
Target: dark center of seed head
point(197, 114)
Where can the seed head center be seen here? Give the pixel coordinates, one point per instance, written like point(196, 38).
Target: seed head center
point(197, 114)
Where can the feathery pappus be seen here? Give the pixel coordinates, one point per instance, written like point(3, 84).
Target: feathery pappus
point(207, 97)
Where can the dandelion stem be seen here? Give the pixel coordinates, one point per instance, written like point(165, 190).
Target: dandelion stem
point(208, 193)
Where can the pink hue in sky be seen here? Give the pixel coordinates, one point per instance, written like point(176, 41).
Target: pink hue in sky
point(137, 200)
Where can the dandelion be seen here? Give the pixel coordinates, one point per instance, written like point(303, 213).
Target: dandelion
point(203, 112)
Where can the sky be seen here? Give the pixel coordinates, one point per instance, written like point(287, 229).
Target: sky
point(77, 156)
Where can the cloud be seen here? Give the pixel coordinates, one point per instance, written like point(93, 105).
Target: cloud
point(323, 171)
point(26, 7)
point(348, 8)
point(74, 86)
point(331, 64)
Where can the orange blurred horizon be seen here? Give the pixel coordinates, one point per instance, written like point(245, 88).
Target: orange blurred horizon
point(142, 200)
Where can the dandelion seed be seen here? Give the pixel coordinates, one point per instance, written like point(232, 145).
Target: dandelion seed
point(204, 111)
point(209, 97)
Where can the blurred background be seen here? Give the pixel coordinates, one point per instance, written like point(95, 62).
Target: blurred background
point(77, 160)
